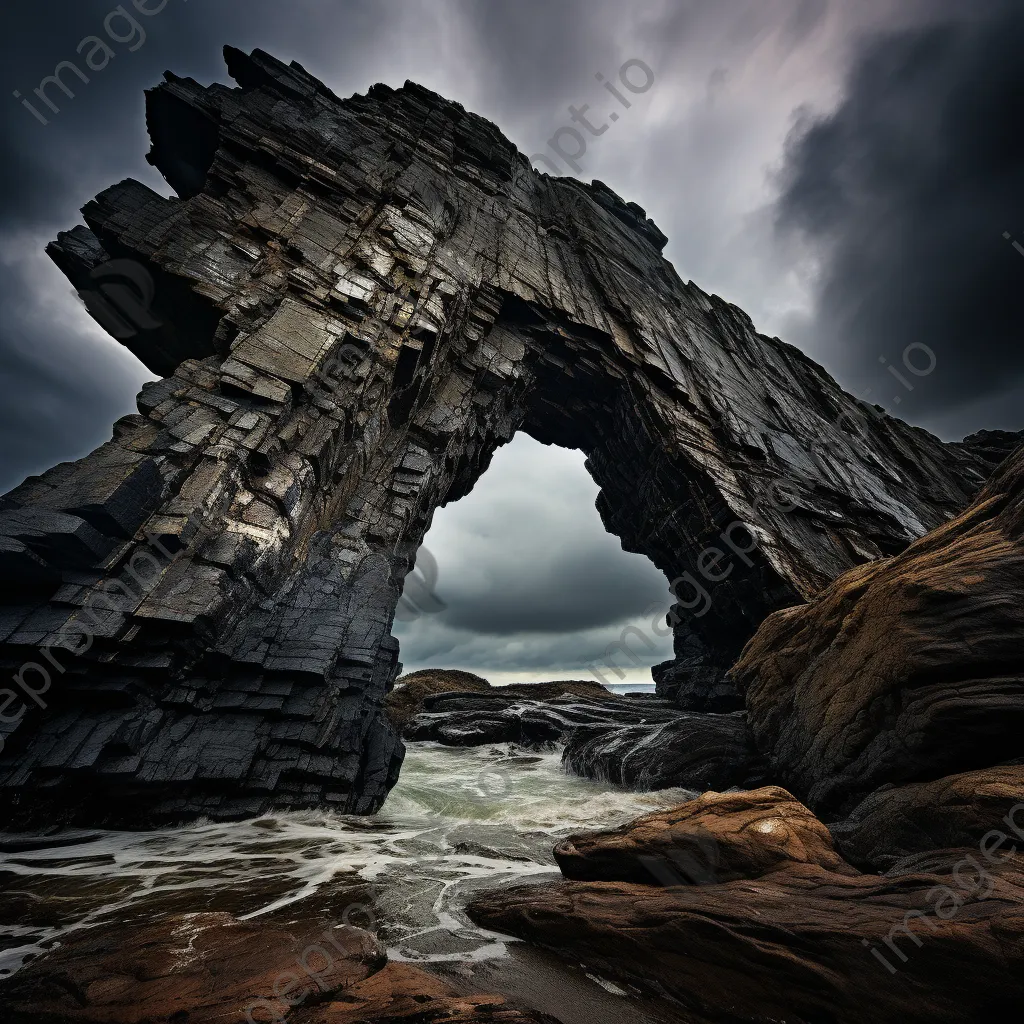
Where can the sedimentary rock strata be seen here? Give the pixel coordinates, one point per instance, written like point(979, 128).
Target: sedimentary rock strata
point(422, 704)
point(994, 447)
point(405, 701)
point(745, 922)
point(967, 810)
point(797, 946)
point(211, 969)
point(472, 719)
point(718, 837)
point(691, 751)
point(904, 670)
point(351, 304)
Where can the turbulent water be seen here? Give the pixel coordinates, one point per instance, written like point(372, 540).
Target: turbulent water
point(459, 819)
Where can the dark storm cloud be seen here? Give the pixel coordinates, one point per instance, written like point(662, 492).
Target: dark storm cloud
point(64, 382)
point(502, 60)
point(530, 581)
point(48, 365)
point(583, 588)
point(905, 192)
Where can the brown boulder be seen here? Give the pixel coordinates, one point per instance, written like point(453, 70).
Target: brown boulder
point(718, 837)
point(799, 946)
point(959, 810)
point(211, 968)
point(903, 670)
point(414, 690)
point(401, 992)
point(405, 701)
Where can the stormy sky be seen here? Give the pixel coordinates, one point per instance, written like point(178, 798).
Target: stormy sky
point(844, 171)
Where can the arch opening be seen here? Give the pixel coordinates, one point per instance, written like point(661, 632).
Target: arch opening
point(520, 581)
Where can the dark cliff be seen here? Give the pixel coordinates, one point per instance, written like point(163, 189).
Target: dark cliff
point(353, 303)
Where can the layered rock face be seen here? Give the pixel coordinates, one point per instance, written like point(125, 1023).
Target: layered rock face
point(639, 740)
point(903, 671)
point(691, 750)
point(352, 304)
point(739, 906)
point(461, 709)
point(968, 810)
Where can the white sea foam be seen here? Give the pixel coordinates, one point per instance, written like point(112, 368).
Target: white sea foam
point(458, 820)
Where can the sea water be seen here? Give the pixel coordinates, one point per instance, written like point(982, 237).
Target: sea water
point(459, 820)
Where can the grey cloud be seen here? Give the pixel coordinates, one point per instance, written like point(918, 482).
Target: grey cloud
point(527, 552)
point(64, 381)
point(905, 192)
point(431, 643)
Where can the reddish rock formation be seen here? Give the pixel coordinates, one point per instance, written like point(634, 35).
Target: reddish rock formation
point(800, 946)
point(401, 992)
point(213, 969)
point(718, 837)
point(200, 968)
point(906, 669)
point(956, 811)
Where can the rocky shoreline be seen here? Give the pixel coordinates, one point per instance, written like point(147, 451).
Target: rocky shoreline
point(213, 969)
point(907, 905)
point(894, 703)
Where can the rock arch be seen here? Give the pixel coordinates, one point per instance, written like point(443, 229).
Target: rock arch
point(354, 303)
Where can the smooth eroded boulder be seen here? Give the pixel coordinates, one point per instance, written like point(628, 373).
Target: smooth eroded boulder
point(718, 837)
point(799, 946)
point(903, 670)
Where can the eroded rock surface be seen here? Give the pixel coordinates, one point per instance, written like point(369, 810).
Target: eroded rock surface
point(214, 969)
point(405, 701)
point(196, 967)
point(462, 709)
point(718, 837)
point(994, 447)
point(905, 670)
point(351, 304)
point(472, 719)
point(691, 751)
point(797, 946)
point(968, 810)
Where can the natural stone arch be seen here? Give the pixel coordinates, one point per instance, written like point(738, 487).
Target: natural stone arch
point(354, 302)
